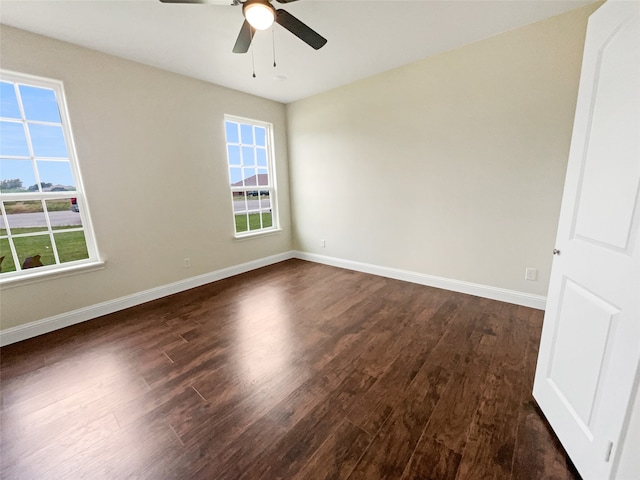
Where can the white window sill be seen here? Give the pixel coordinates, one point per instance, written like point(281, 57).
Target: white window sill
point(43, 276)
point(260, 233)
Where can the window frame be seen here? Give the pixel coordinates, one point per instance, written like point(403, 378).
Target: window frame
point(93, 260)
point(271, 187)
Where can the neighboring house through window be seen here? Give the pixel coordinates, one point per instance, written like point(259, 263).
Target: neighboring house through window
point(44, 226)
point(251, 175)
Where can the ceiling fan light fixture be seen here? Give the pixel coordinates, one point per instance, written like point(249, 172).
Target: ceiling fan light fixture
point(260, 15)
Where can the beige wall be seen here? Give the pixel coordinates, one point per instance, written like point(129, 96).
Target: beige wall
point(452, 166)
point(151, 151)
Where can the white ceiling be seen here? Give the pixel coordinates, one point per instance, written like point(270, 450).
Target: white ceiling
point(365, 37)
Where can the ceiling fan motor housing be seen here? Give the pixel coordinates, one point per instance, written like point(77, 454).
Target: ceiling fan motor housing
point(259, 13)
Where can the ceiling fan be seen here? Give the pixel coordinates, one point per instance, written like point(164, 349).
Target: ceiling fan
point(260, 15)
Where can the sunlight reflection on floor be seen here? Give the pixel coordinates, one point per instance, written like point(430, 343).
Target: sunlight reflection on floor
point(264, 336)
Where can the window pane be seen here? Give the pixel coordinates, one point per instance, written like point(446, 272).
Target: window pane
point(263, 177)
point(254, 221)
point(6, 264)
point(231, 130)
point(241, 222)
point(248, 157)
point(62, 215)
point(239, 202)
point(266, 220)
point(25, 216)
point(261, 156)
point(235, 175)
point(71, 246)
point(17, 176)
point(30, 248)
point(246, 133)
point(56, 176)
point(250, 177)
point(47, 141)
point(8, 102)
point(13, 141)
point(233, 152)
point(261, 136)
point(265, 201)
point(39, 104)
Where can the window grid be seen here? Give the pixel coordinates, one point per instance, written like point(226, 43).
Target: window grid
point(27, 227)
point(251, 175)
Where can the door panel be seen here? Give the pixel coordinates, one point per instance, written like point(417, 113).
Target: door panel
point(590, 346)
point(590, 318)
point(607, 196)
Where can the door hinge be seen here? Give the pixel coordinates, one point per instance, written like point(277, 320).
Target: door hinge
point(607, 455)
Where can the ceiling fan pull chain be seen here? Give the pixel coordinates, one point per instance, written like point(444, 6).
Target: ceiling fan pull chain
point(253, 61)
point(253, 64)
point(273, 37)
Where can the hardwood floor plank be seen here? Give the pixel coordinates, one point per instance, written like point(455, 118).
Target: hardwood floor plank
point(297, 446)
point(51, 384)
point(395, 441)
point(432, 461)
point(180, 410)
point(375, 406)
point(454, 346)
point(488, 452)
point(20, 423)
point(338, 455)
point(537, 451)
point(451, 422)
point(229, 419)
point(141, 450)
point(57, 443)
point(223, 459)
point(347, 341)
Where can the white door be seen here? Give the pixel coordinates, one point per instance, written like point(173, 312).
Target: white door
point(590, 346)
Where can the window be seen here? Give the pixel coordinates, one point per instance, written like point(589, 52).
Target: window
point(251, 175)
point(44, 218)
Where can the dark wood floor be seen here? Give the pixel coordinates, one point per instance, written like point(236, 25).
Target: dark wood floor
point(294, 371)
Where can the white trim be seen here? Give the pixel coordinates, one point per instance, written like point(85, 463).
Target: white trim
point(46, 325)
point(479, 290)
point(40, 275)
point(257, 234)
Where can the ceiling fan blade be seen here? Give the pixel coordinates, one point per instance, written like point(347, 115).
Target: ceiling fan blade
point(300, 30)
point(243, 42)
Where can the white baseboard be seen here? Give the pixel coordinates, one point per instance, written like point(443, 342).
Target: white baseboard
point(485, 291)
point(46, 325)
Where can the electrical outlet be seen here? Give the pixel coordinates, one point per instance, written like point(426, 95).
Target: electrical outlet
point(187, 263)
point(323, 244)
point(531, 274)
